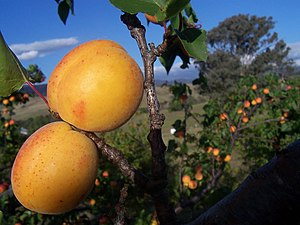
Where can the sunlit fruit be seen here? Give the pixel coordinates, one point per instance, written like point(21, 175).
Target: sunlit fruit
point(258, 100)
point(253, 102)
point(198, 176)
point(192, 184)
point(216, 151)
point(185, 179)
point(97, 182)
point(239, 111)
point(5, 102)
point(223, 116)
point(227, 158)
point(12, 98)
point(26, 96)
point(6, 124)
point(209, 149)
point(246, 104)
point(254, 87)
point(245, 119)
point(55, 169)
point(97, 86)
point(3, 187)
point(105, 174)
point(286, 114)
point(266, 91)
point(232, 128)
point(92, 202)
point(11, 122)
point(289, 87)
point(282, 119)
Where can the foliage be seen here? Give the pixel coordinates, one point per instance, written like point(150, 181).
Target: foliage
point(234, 137)
point(239, 46)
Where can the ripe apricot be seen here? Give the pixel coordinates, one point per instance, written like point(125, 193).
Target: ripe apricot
point(254, 87)
point(97, 86)
point(223, 116)
point(245, 119)
point(55, 169)
point(232, 128)
point(227, 158)
point(258, 100)
point(239, 111)
point(199, 176)
point(12, 98)
point(246, 104)
point(266, 91)
point(253, 102)
point(192, 184)
point(5, 102)
point(186, 179)
point(105, 174)
point(216, 151)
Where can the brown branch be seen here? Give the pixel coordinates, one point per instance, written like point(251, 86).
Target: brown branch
point(120, 207)
point(157, 186)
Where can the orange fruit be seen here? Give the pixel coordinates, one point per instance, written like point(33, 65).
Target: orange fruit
point(223, 116)
point(216, 151)
point(232, 128)
point(186, 179)
point(12, 98)
point(254, 87)
point(96, 87)
point(258, 100)
point(246, 104)
point(239, 111)
point(105, 174)
point(55, 169)
point(209, 149)
point(5, 102)
point(227, 158)
point(266, 91)
point(245, 119)
point(198, 176)
point(192, 184)
point(253, 102)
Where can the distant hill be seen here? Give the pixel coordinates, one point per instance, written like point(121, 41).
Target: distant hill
point(42, 88)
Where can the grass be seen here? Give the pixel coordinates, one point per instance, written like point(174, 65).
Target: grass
point(36, 107)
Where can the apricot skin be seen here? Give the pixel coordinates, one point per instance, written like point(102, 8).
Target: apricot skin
point(55, 169)
point(96, 87)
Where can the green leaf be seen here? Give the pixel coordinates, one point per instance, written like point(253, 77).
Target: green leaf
point(193, 41)
point(12, 73)
point(63, 11)
point(1, 216)
point(161, 9)
point(136, 6)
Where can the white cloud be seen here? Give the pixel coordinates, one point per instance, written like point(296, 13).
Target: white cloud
point(41, 48)
point(295, 52)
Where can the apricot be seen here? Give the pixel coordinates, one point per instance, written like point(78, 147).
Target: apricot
point(96, 87)
point(55, 169)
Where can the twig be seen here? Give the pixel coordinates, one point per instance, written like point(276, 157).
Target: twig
point(157, 185)
point(120, 208)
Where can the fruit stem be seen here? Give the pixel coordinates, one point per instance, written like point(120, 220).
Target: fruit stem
point(37, 92)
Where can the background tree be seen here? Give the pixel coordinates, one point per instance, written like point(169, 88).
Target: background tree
point(243, 45)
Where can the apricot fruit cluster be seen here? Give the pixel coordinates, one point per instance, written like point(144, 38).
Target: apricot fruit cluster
point(97, 86)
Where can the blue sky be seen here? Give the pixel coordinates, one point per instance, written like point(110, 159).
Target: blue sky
point(34, 31)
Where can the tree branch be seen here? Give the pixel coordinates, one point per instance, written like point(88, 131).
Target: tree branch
point(157, 186)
